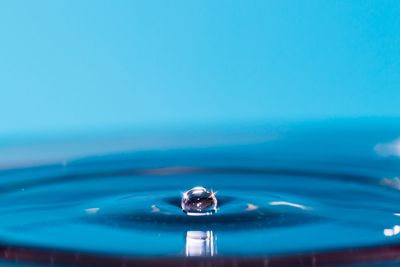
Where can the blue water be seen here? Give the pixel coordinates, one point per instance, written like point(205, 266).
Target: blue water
point(309, 190)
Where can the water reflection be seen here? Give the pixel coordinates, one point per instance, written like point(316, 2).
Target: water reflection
point(92, 210)
point(388, 149)
point(200, 244)
point(285, 203)
point(392, 231)
point(391, 182)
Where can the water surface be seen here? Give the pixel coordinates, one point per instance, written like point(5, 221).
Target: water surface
point(322, 193)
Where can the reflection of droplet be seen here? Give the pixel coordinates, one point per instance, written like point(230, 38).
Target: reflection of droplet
point(251, 207)
point(392, 182)
point(154, 208)
point(388, 149)
point(392, 231)
point(92, 210)
point(200, 243)
point(285, 203)
point(199, 201)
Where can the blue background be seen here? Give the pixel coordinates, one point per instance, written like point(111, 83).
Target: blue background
point(82, 65)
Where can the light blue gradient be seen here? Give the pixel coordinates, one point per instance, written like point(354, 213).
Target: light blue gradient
point(80, 65)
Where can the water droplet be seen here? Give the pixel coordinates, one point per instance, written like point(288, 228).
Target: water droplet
point(199, 201)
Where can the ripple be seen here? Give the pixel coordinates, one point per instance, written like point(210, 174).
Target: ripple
point(131, 210)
